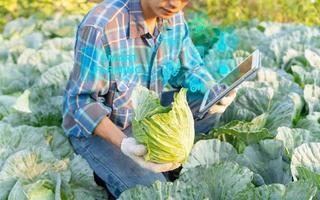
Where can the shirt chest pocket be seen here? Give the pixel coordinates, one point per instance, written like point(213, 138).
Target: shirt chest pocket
point(122, 93)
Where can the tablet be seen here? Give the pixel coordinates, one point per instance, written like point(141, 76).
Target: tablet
point(239, 74)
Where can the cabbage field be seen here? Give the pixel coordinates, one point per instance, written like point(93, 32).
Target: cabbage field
point(266, 145)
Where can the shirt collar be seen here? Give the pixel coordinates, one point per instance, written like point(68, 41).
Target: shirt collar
point(138, 26)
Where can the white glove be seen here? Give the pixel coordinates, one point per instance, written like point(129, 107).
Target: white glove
point(223, 103)
point(136, 151)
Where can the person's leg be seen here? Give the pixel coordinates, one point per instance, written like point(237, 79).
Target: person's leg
point(117, 170)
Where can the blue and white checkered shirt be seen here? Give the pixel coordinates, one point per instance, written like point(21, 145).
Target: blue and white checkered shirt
point(114, 51)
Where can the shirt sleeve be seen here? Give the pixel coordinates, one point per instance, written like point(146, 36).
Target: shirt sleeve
point(89, 78)
point(194, 75)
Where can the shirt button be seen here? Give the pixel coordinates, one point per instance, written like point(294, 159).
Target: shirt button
point(148, 36)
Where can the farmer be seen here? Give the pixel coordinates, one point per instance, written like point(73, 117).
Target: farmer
point(119, 44)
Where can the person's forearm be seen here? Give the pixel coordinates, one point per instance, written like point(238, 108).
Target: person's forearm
point(109, 131)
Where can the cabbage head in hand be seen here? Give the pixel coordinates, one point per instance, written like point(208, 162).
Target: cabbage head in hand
point(167, 132)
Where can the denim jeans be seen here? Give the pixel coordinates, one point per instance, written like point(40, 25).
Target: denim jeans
point(117, 170)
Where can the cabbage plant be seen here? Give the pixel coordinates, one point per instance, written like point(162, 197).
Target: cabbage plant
point(167, 132)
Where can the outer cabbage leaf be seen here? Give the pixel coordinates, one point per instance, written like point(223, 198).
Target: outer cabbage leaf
point(19, 27)
point(81, 184)
point(225, 180)
point(251, 103)
point(41, 104)
point(294, 191)
point(43, 59)
point(311, 123)
point(208, 152)
point(305, 164)
point(16, 78)
point(40, 190)
point(160, 191)
point(266, 160)
point(312, 97)
point(62, 44)
point(283, 85)
point(17, 192)
point(293, 138)
point(279, 80)
point(6, 186)
point(27, 164)
point(306, 76)
point(5, 103)
point(313, 57)
point(16, 139)
point(61, 26)
point(308, 156)
point(240, 134)
point(307, 174)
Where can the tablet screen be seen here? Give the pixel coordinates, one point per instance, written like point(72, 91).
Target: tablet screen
point(228, 82)
point(237, 72)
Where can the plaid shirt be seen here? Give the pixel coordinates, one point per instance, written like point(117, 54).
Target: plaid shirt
point(114, 51)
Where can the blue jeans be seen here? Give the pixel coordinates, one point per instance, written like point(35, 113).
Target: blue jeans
point(117, 170)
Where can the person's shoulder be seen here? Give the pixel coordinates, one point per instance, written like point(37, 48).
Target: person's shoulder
point(103, 13)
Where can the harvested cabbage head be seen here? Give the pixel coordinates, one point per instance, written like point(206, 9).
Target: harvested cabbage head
point(167, 132)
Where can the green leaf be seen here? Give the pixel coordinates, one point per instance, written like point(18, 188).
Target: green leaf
point(279, 80)
point(294, 191)
point(61, 26)
point(57, 141)
point(306, 155)
point(19, 27)
point(62, 44)
point(247, 132)
point(208, 152)
point(17, 192)
point(6, 186)
point(40, 190)
point(306, 76)
point(251, 103)
point(82, 182)
point(224, 180)
point(267, 192)
point(239, 133)
point(21, 78)
point(27, 164)
point(48, 113)
point(293, 138)
point(307, 174)
point(300, 190)
point(312, 97)
point(22, 103)
point(311, 123)
point(15, 139)
point(163, 190)
point(313, 57)
point(265, 159)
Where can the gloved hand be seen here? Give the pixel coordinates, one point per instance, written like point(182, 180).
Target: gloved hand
point(222, 105)
point(136, 151)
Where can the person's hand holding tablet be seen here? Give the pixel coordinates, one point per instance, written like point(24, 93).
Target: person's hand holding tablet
point(223, 104)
